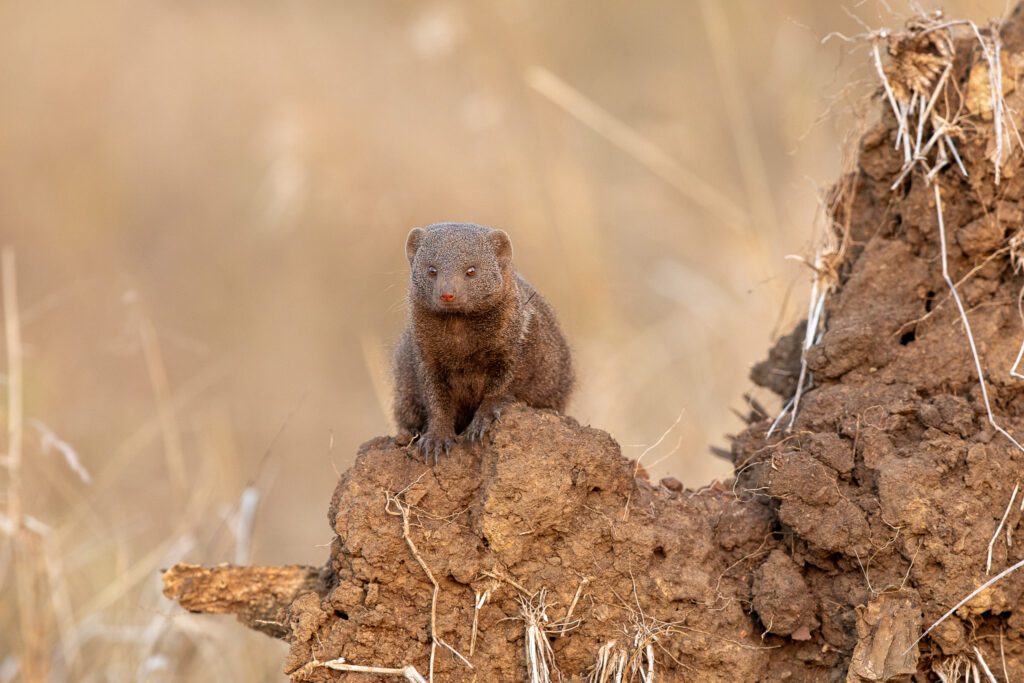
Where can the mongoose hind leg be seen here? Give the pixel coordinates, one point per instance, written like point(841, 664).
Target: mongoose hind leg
point(409, 412)
point(410, 417)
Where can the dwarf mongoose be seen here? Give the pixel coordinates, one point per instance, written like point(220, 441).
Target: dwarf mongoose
point(478, 337)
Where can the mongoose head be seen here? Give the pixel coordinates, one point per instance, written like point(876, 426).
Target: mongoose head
point(459, 267)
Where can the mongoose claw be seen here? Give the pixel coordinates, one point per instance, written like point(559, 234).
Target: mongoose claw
point(432, 446)
point(482, 421)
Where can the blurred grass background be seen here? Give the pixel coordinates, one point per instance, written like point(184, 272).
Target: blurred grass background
point(208, 204)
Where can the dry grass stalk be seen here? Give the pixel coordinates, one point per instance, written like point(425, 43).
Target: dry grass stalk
point(966, 323)
point(646, 632)
point(49, 440)
point(505, 578)
point(984, 665)
point(610, 664)
point(616, 663)
point(409, 673)
point(636, 463)
point(394, 503)
point(970, 596)
point(1015, 369)
point(991, 544)
point(15, 406)
point(746, 140)
point(480, 599)
point(589, 113)
point(170, 429)
point(1016, 249)
point(1002, 656)
point(920, 59)
point(956, 668)
point(816, 308)
point(61, 604)
point(572, 605)
point(540, 658)
point(539, 655)
point(244, 523)
point(897, 110)
point(25, 546)
point(828, 257)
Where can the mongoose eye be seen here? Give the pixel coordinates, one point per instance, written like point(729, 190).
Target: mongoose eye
point(471, 271)
point(432, 271)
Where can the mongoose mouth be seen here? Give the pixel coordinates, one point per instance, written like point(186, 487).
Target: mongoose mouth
point(458, 309)
point(447, 307)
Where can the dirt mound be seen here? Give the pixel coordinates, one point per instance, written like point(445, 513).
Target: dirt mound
point(547, 519)
point(544, 527)
point(842, 537)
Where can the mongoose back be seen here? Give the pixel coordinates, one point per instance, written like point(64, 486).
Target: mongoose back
point(478, 337)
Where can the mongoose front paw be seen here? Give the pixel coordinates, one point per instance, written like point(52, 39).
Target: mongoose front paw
point(482, 421)
point(433, 444)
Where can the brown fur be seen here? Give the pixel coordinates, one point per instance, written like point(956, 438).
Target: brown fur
point(495, 340)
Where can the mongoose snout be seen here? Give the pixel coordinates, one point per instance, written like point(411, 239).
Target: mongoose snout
point(478, 337)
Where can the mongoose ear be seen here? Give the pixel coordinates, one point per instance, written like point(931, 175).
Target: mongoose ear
point(502, 247)
point(412, 242)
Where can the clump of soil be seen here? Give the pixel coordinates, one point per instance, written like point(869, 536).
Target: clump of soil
point(839, 541)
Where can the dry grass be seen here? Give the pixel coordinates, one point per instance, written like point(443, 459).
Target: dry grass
point(215, 233)
point(396, 506)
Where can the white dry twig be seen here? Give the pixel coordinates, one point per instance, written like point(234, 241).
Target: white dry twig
point(816, 308)
point(1002, 656)
point(984, 665)
point(636, 463)
point(1014, 371)
point(820, 289)
point(991, 544)
point(963, 317)
point(479, 601)
point(572, 605)
point(435, 638)
point(970, 596)
point(244, 522)
point(409, 673)
point(49, 439)
point(995, 79)
point(898, 111)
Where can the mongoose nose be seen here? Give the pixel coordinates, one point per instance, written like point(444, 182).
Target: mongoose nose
point(447, 297)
